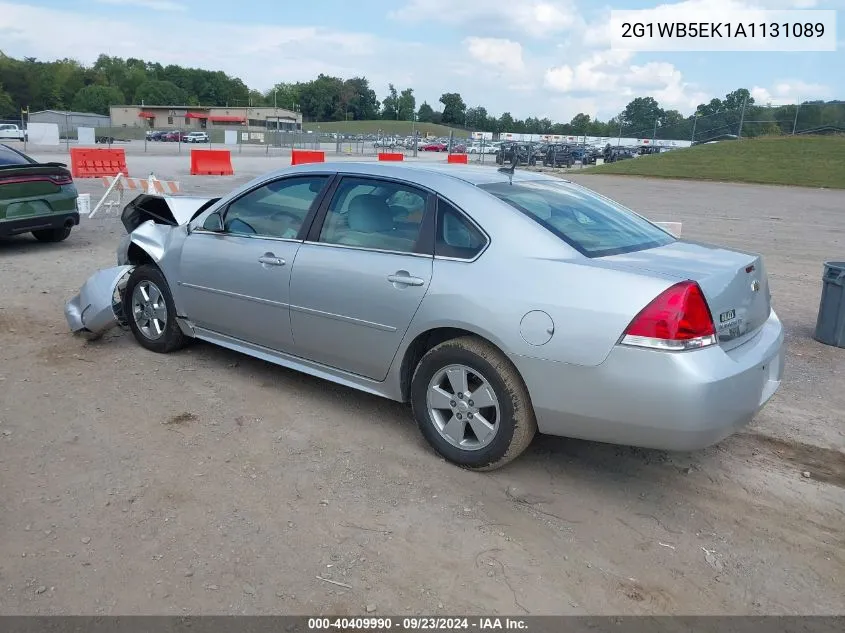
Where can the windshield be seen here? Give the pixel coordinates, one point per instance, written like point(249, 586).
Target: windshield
point(593, 225)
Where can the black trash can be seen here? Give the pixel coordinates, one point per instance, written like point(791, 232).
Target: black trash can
point(830, 327)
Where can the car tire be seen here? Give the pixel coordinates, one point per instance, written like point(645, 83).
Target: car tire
point(487, 370)
point(154, 329)
point(52, 235)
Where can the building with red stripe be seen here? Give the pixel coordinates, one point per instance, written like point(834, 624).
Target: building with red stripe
point(193, 119)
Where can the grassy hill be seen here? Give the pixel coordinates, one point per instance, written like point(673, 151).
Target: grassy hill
point(389, 128)
point(794, 160)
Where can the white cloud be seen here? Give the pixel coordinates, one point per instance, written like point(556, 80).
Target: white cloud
point(789, 92)
point(534, 18)
point(154, 5)
point(613, 74)
point(502, 54)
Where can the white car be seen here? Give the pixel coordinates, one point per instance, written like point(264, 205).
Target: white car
point(9, 131)
point(196, 137)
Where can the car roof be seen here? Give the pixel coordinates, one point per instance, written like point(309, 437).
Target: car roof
point(472, 174)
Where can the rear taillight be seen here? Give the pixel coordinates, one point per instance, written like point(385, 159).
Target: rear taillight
point(678, 319)
point(56, 179)
point(62, 180)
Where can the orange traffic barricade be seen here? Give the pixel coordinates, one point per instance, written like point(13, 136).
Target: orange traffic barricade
point(302, 156)
point(96, 163)
point(211, 162)
point(391, 156)
point(460, 159)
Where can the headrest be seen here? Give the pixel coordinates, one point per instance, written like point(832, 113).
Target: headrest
point(370, 214)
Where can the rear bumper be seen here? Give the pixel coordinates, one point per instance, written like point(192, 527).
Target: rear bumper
point(671, 401)
point(38, 222)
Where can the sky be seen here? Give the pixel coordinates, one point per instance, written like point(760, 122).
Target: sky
point(543, 58)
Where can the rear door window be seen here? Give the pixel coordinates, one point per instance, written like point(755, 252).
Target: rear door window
point(592, 224)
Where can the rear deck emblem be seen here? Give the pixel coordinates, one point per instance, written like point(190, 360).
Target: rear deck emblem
point(755, 286)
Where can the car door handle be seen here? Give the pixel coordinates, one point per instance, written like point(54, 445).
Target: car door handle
point(405, 280)
point(271, 260)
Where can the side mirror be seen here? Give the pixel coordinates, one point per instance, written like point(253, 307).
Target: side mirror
point(213, 223)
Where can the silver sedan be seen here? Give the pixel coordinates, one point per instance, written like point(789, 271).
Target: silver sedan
point(497, 304)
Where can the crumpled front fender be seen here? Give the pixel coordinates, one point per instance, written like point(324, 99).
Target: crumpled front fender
point(98, 307)
point(152, 238)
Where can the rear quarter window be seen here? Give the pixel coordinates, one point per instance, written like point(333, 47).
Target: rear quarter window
point(592, 224)
point(8, 156)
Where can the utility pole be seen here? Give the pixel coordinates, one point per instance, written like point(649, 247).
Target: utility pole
point(619, 140)
point(694, 121)
point(741, 118)
point(654, 133)
point(795, 122)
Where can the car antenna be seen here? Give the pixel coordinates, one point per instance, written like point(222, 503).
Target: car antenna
point(509, 170)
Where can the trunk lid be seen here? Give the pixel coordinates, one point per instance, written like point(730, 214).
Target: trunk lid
point(32, 181)
point(734, 283)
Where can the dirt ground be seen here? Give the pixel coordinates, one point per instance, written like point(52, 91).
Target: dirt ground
point(205, 482)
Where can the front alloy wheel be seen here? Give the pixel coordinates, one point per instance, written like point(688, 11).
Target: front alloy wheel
point(149, 310)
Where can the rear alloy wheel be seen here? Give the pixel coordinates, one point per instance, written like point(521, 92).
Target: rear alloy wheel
point(150, 311)
point(471, 404)
point(52, 235)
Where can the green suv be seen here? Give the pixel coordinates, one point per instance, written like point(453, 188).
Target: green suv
point(37, 198)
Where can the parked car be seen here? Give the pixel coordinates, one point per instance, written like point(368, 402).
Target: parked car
point(435, 146)
point(386, 143)
point(459, 148)
point(11, 132)
point(511, 151)
point(656, 342)
point(558, 155)
point(37, 198)
point(196, 137)
point(174, 137)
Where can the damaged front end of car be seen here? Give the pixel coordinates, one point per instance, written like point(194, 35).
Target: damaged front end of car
point(149, 221)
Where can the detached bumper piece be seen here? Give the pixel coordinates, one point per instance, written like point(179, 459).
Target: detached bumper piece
point(99, 305)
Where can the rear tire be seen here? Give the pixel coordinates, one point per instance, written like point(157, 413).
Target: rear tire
point(52, 235)
point(509, 423)
point(150, 311)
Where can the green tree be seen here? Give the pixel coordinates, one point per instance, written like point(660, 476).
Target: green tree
point(426, 113)
point(7, 107)
point(477, 119)
point(506, 123)
point(454, 108)
point(709, 109)
point(580, 121)
point(390, 104)
point(734, 100)
point(407, 104)
point(640, 115)
point(283, 95)
point(359, 101)
point(320, 99)
point(156, 92)
point(97, 99)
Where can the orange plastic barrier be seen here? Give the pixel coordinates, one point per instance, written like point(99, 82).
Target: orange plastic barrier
point(302, 156)
point(96, 163)
point(211, 162)
point(457, 158)
point(391, 157)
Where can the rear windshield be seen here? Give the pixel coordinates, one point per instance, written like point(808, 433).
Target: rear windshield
point(8, 156)
point(593, 225)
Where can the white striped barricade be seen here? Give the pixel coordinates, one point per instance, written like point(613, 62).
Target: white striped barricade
point(117, 185)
